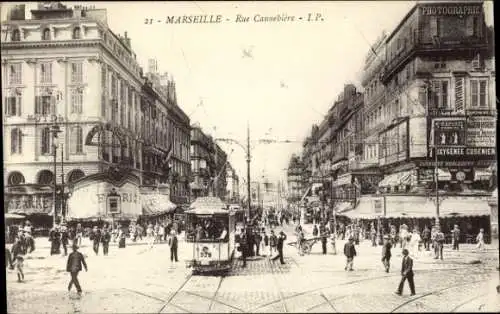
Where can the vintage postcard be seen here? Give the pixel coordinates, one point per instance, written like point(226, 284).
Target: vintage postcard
point(234, 156)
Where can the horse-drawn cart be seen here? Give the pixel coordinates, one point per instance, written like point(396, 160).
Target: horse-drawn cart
point(307, 244)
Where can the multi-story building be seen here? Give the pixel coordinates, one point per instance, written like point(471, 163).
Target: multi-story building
point(208, 165)
point(294, 179)
point(439, 80)
point(167, 134)
point(66, 70)
point(233, 184)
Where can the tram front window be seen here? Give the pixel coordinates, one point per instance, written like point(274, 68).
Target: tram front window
point(207, 229)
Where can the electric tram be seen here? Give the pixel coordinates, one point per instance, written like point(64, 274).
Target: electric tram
point(210, 231)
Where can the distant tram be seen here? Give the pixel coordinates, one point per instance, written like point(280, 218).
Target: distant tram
point(210, 229)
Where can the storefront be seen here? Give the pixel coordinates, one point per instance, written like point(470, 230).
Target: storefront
point(156, 204)
point(33, 201)
point(102, 197)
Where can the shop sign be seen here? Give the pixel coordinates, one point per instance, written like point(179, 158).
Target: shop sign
point(45, 118)
point(454, 163)
point(452, 10)
point(36, 203)
point(378, 205)
point(479, 152)
point(461, 175)
point(481, 131)
point(449, 132)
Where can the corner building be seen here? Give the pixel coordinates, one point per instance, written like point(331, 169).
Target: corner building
point(65, 66)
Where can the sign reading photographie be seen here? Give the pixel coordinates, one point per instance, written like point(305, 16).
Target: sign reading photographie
point(452, 10)
point(481, 131)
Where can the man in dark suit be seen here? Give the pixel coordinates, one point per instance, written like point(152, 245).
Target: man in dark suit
point(406, 273)
point(349, 252)
point(74, 266)
point(95, 236)
point(323, 233)
point(386, 253)
point(173, 242)
point(279, 246)
point(105, 239)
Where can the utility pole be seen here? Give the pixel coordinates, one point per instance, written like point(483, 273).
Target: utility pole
point(248, 171)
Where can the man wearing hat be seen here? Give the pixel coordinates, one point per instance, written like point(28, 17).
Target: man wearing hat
point(349, 252)
point(406, 273)
point(386, 253)
point(173, 246)
point(74, 266)
point(438, 243)
point(279, 246)
point(64, 238)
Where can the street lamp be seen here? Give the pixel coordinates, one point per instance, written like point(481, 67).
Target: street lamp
point(55, 130)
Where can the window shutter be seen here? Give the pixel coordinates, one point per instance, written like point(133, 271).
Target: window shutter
point(459, 93)
point(13, 141)
point(483, 93)
point(20, 141)
point(37, 105)
point(53, 105)
point(474, 93)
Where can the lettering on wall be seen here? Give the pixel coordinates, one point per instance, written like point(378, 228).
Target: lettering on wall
point(452, 10)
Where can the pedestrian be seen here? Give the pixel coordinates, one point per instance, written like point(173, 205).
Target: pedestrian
point(273, 242)
point(8, 259)
point(414, 242)
point(455, 236)
point(281, 241)
point(386, 253)
point(323, 233)
point(350, 253)
point(480, 240)
point(257, 241)
point(16, 249)
point(244, 247)
point(315, 231)
point(19, 265)
point(79, 234)
point(95, 237)
point(161, 232)
point(122, 237)
point(406, 273)
point(438, 244)
point(426, 234)
point(74, 266)
point(105, 239)
point(150, 235)
point(265, 243)
point(373, 235)
point(300, 241)
point(64, 238)
point(173, 243)
point(55, 239)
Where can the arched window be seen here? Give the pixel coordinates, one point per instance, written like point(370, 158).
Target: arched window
point(76, 33)
point(15, 178)
point(45, 177)
point(46, 34)
point(46, 141)
point(75, 175)
point(76, 140)
point(16, 35)
point(16, 141)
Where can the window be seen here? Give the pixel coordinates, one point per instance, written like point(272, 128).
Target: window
point(478, 91)
point(46, 34)
point(77, 72)
point(15, 71)
point(13, 106)
point(76, 33)
point(15, 178)
point(76, 140)
point(46, 73)
point(16, 141)
point(75, 175)
point(439, 94)
point(46, 177)
point(44, 105)
point(46, 141)
point(76, 100)
point(16, 35)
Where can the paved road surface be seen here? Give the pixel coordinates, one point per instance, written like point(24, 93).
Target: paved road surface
point(139, 279)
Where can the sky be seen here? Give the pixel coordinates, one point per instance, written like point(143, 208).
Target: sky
point(296, 70)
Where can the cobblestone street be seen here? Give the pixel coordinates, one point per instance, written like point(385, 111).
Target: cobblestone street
point(139, 279)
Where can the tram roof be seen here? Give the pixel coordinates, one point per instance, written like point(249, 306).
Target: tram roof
point(208, 206)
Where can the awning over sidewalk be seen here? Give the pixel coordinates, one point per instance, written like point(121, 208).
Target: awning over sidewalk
point(396, 179)
point(156, 204)
point(421, 207)
point(343, 206)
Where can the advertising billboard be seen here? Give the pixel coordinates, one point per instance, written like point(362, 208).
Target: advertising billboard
point(394, 144)
point(481, 131)
point(448, 132)
point(418, 137)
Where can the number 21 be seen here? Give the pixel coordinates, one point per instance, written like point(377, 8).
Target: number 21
point(148, 21)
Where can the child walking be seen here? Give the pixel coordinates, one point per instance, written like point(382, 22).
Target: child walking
point(19, 264)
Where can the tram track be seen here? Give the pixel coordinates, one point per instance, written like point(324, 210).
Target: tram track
point(433, 293)
point(276, 283)
point(467, 301)
point(283, 299)
point(169, 301)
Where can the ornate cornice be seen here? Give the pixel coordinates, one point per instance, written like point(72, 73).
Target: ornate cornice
point(50, 44)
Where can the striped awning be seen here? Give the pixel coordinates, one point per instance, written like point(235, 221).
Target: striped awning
point(156, 204)
point(396, 179)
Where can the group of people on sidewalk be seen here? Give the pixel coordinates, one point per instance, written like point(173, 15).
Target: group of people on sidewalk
point(255, 241)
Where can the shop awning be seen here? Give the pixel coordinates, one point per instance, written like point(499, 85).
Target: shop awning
point(195, 186)
point(364, 210)
point(482, 175)
point(464, 207)
point(156, 204)
point(342, 207)
point(396, 179)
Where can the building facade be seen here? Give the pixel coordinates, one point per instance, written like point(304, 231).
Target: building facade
point(294, 179)
point(66, 67)
point(233, 185)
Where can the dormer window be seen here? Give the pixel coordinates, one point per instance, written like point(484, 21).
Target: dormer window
point(46, 34)
point(76, 33)
point(16, 35)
